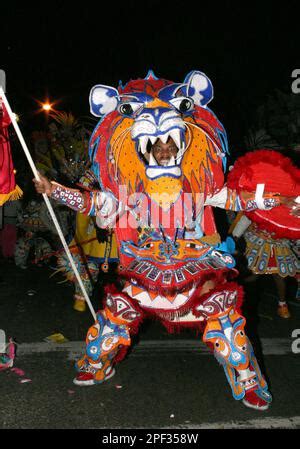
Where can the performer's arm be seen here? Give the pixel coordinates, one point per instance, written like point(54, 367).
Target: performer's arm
point(229, 199)
point(93, 203)
point(225, 199)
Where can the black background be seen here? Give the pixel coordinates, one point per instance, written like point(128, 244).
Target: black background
point(60, 50)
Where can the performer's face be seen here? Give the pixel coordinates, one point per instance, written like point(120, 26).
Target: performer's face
point(163, 152)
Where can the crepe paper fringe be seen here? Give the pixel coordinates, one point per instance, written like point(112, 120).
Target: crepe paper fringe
point(121, 354)
point(244, 168)
point(167, 315)
point(217, 275)
point(246, 165)
point(176, 328)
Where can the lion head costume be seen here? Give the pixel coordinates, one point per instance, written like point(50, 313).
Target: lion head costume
point(134, 116)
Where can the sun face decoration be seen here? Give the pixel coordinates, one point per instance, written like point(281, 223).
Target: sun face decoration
point(136, 116)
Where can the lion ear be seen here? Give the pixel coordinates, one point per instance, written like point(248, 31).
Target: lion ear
point(103, 100)
point(199, 88)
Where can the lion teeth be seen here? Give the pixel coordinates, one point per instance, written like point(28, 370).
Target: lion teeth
point(180, 153)
point(175, 134)
point(153, 139)
point(143, 144)
point(171, 161)
point(164, 137)
point(152, 161)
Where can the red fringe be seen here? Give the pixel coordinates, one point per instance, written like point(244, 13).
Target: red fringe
point(111, 289)
point(245, 166)
point(170, 314)
point(121, 354)
point(167, 316)
point(176, 328)
point(164, 316)
point(219, 277)
point(216, 275)
point(198, 326)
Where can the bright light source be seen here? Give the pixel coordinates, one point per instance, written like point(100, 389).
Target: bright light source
point(16, 117)
point(47, 107)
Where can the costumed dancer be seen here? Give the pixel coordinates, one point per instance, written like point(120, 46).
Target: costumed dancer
point(93, 250)
point(37, 233)
point(271, 240)
point(92, 256)
point(159, 154)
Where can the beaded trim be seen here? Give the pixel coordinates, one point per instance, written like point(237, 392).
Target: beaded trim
point(69, 197)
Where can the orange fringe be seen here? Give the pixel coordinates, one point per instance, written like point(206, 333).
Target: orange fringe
point(13, 195)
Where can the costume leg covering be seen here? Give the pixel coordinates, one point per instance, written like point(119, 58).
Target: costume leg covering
point(225, 332)
point(120, 317)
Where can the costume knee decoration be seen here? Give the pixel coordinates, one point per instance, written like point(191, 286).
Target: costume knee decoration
point(225, 332)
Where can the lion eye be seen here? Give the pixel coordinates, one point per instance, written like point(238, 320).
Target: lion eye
point(129, 108)
point(183, 104)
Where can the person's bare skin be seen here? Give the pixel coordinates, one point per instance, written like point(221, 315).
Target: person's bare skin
point(43, 185)
point(164, 151)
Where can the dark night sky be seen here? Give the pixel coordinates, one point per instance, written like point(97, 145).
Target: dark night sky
point(63, 50)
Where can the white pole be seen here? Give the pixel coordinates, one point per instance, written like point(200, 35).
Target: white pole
point(47, 201)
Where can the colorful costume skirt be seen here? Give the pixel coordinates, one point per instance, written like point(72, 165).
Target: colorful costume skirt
point(267, 255)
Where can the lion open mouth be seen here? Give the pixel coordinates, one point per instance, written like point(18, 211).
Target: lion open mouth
point(169, 166)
